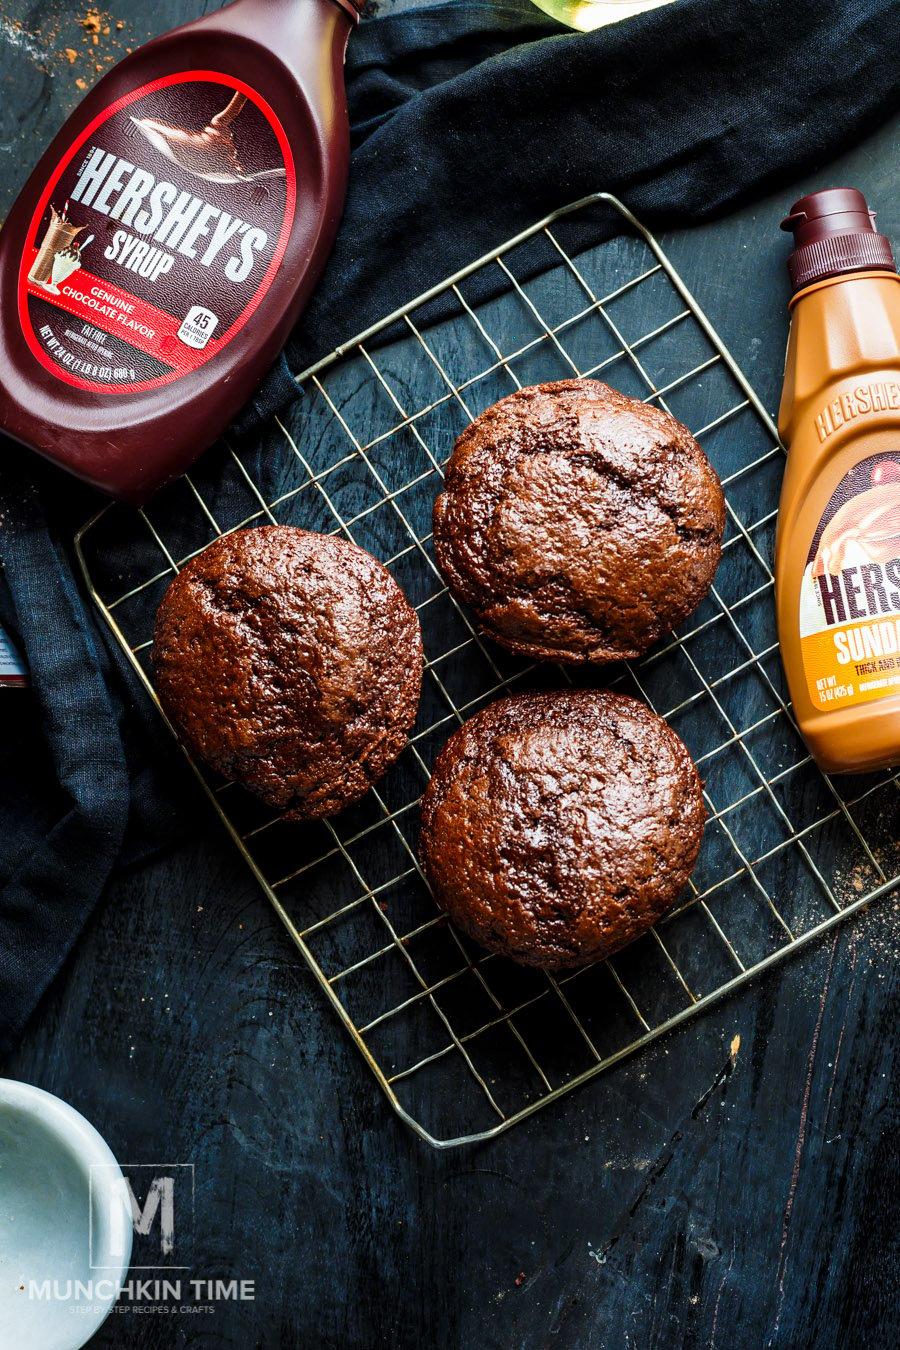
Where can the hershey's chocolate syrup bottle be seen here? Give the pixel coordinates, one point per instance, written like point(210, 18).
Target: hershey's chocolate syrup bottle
point(168, 239)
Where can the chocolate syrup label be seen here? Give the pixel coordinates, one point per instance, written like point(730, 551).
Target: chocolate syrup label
point(850, 593)
point(158, 234)
point(12, 668)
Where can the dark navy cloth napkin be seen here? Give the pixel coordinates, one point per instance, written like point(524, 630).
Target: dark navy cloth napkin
point(470, 120)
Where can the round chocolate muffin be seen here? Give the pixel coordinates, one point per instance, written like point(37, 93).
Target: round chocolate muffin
point(558, 827)
point(292, 663)
point(577, 523)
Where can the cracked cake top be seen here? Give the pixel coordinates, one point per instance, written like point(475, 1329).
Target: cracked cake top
point(577, 523)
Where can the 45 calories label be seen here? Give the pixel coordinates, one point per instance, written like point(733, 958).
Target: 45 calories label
point(850, 592)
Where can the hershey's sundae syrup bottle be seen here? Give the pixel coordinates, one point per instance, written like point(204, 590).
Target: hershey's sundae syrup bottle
point(837, 551)
point(168, 239)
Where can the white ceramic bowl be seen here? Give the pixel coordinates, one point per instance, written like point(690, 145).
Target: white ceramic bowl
point(65, 1218)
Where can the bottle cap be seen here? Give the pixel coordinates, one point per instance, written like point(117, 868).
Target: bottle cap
point(834, 232)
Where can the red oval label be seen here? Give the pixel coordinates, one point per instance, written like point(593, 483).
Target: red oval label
point(158, 234)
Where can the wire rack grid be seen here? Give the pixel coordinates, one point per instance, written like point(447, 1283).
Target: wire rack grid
point(465, 1044)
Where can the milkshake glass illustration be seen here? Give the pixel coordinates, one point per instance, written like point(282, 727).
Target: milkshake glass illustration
point(59, 236)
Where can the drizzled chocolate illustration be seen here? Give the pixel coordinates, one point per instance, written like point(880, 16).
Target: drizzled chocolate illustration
point(211, 153)
point(866, 527)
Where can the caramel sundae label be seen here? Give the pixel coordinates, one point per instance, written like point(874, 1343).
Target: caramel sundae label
point(850, 592)
point(158, 234)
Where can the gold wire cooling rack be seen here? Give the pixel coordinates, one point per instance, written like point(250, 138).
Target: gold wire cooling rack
point(464, 1044)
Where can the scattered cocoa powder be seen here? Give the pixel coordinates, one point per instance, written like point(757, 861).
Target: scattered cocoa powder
point(92, 22)
point(53, 43)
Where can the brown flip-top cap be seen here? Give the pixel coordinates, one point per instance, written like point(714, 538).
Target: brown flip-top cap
point(834, 232)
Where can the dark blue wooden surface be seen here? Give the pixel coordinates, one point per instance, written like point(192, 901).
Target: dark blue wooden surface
point(691, 1197)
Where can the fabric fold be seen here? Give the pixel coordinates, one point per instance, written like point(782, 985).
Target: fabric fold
point(49, 880)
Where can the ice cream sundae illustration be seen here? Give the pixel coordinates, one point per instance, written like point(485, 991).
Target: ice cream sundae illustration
point(864, 529)
point(65, 262)
point(210, 153)
point(59, 254)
